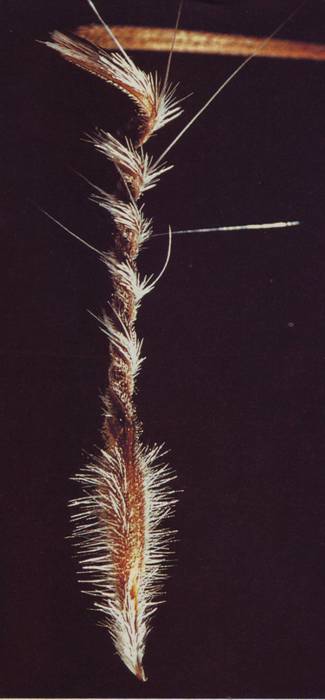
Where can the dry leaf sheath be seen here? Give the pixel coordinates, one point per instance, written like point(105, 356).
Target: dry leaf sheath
point(124, 549)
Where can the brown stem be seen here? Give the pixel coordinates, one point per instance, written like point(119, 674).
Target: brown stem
point(158, 39)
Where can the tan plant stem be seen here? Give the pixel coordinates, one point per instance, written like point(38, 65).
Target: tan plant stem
point(159, 39)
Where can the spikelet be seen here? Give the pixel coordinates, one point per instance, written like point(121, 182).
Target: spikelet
point(156, 107)
point(126, 489)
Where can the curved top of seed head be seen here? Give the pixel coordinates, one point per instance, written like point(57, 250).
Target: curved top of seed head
point(156, 105)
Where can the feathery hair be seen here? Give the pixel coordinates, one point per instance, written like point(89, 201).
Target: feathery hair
point(123, 548)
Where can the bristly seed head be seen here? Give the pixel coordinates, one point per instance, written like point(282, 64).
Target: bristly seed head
point(123, 548)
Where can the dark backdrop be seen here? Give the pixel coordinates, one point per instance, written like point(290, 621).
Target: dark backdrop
point(234, 377)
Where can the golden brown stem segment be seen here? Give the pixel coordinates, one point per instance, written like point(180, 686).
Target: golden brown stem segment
point(158, 39)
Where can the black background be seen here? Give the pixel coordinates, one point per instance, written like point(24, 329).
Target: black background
point(234, 379)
